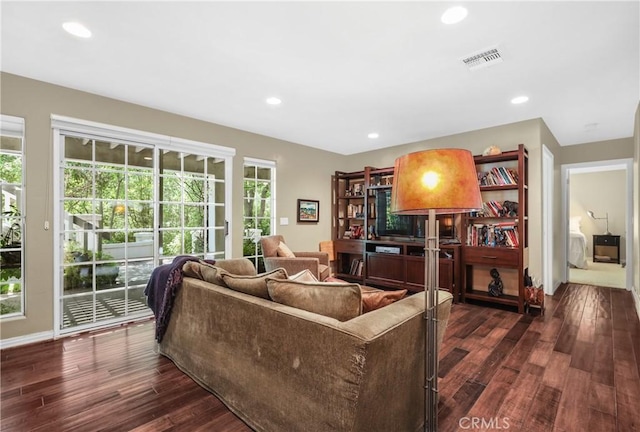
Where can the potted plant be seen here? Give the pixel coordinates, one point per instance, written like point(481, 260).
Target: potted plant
point(10, 247)
point(82, 275)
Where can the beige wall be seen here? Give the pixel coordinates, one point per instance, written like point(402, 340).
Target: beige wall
point(597, 151)
point(302, 172)
point(595, 191)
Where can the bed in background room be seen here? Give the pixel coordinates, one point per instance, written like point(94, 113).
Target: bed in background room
point(577, 255)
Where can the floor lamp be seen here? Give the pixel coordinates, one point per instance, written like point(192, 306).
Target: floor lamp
point(428, 183)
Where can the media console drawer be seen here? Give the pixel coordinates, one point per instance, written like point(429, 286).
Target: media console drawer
point(491, 256)
point(349, 246)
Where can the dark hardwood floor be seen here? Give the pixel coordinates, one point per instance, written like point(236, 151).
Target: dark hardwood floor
point(576, 368)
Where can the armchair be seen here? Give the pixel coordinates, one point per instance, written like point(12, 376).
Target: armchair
point(316, 262)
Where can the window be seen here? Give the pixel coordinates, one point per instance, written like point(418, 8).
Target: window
point(128, 202)
point(259, 207)
point(12, 218)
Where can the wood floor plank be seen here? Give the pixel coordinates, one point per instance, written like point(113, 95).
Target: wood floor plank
point(575, 368)
point(602, 398)
point(555, 373)
point(601, 422)
point(492, 397)
point(522, 351)
point(575, 397)
point(518, 400)
point(541, 352)
point(627, 410)
point(450, 360)
point(566, 338)
point(581, 357)
point(544, 407)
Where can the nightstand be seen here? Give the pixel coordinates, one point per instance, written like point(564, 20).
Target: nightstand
point(606, 248)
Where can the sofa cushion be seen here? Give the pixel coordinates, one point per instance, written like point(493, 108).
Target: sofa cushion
point(284, 251)
point(303, 276)
point(253, 285)
point(373, 298)
point(341, 301)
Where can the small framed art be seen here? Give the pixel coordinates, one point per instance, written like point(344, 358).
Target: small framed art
point(308, 210)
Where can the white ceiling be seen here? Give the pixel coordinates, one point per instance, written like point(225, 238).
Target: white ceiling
point(343, 69)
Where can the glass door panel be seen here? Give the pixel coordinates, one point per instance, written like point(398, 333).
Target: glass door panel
point(126, 209)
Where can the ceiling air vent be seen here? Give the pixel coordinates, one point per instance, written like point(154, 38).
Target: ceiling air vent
point(483, 59)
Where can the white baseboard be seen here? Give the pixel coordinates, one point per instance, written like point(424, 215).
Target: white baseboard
point(27, 339)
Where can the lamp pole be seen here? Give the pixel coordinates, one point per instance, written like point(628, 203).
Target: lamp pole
point(431, 269)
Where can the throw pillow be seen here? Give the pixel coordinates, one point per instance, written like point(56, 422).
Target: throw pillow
point(253, 285)
point(204, 271)
point(373, 298)
point(574, 223)
point(341, 301)
point(284, 251)
point(304, 276)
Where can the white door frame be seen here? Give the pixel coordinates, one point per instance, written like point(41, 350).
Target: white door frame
point(547, 221)
point(615, 164)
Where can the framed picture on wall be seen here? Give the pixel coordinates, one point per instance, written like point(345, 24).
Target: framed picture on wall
point(308, 210)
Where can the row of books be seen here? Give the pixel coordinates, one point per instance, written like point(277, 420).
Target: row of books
point(354, 232)
point(498, 234)
point(356, 267)
point(495, 209)
point(498, 176)
point(357, 210)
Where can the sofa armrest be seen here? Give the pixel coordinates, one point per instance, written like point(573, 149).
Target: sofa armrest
point(323, 257)
point(293, 265)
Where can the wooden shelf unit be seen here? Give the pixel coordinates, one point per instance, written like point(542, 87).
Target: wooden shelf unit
point(401, 270)
point(479, 257)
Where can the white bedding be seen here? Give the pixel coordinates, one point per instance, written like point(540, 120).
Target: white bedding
point(577, 249)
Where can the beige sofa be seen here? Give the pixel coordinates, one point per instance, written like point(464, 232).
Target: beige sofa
point(285, 369)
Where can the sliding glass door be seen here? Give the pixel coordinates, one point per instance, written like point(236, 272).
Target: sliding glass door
point(125, 208)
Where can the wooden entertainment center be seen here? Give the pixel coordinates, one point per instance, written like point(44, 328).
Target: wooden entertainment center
point(374, 247)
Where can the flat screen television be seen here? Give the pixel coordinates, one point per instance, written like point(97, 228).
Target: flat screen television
point(391, 225)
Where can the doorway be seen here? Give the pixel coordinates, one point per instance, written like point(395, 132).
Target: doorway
point(598, 201)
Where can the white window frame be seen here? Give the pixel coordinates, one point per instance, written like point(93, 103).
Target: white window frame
point(263, 163)
point(14, 127)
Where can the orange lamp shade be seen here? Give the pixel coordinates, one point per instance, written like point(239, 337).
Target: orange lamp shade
point(444, 180)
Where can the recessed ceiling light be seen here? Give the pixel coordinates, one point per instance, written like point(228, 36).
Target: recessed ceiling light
point(77, 29)
point(274, 101)
point(454, 15)
point(519, 100)
point(373, 135)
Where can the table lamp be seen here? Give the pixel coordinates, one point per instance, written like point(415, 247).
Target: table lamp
point(428, 183)
point(592, 216)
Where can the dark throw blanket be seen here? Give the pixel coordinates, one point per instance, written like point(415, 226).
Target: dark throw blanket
point(162, 288)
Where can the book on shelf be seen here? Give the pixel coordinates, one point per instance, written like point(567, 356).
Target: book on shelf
point(355, 232)
point(494, 209)
point(502, 234)
point(498, 176)
point(356, 267)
